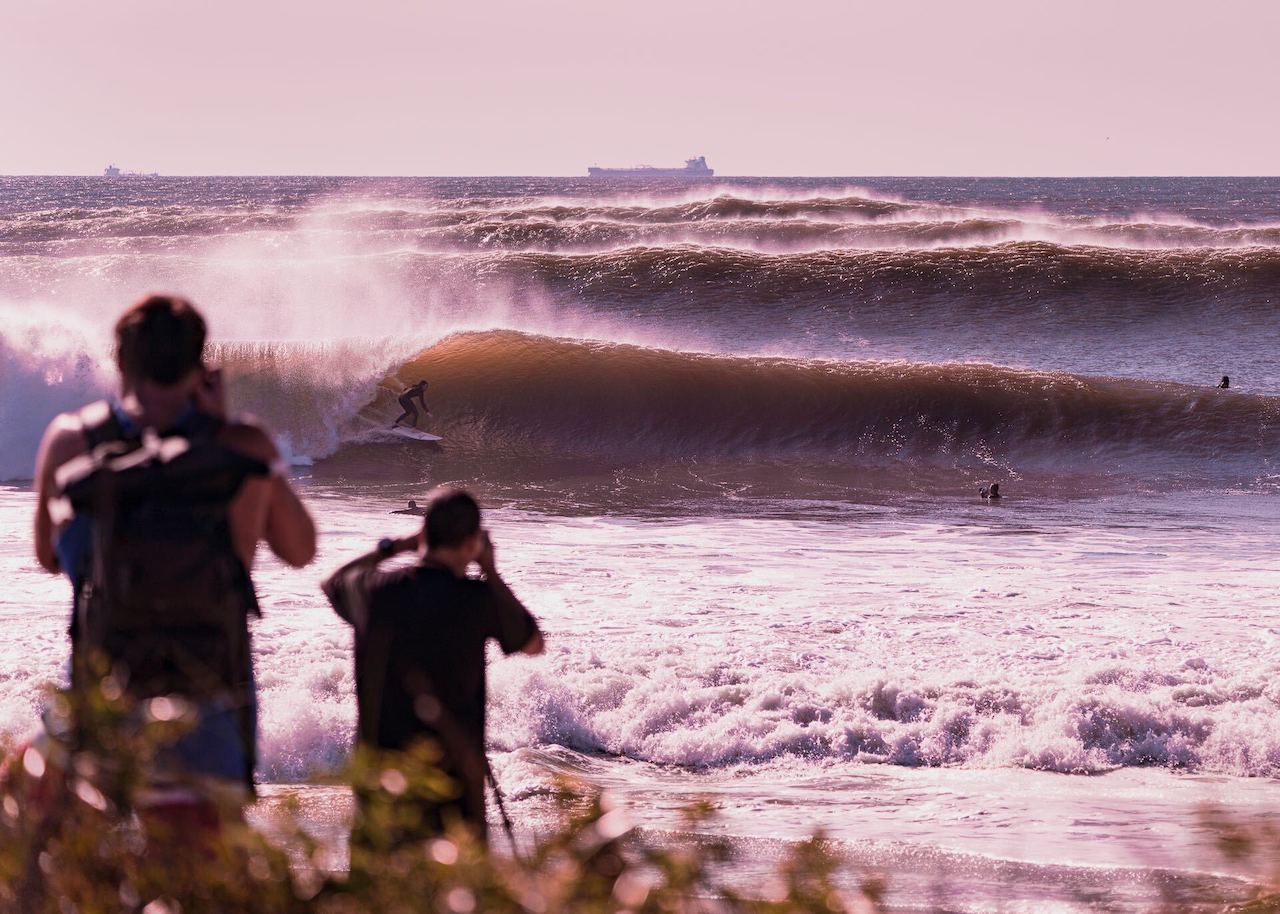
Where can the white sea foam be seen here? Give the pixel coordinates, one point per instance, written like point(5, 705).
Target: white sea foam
point(691, 644)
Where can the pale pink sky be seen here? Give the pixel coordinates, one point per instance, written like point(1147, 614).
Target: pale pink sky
point(806, 87)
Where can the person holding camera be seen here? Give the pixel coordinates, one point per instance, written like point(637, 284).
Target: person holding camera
point(420, 635)
point(153, 504)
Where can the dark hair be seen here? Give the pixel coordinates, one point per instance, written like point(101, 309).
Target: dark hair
point(452, 516)
point(160, 339)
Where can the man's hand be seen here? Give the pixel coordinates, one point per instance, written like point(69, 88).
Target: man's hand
point(210, 395)
point(487, 561)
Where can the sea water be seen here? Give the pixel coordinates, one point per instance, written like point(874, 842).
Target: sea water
point(731, 436)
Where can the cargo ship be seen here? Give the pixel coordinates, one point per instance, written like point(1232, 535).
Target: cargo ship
point(693, 168)
point(111, 171)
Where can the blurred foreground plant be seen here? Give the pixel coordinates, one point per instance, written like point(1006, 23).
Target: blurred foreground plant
point(73, 841)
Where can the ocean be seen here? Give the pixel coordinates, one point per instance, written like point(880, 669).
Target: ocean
point(730, 435)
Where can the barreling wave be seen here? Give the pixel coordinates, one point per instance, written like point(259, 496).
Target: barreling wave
point(505, 391)
point(515, 394)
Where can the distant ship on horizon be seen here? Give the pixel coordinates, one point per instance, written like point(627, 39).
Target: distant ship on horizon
point(693, 168)
point(111, 171)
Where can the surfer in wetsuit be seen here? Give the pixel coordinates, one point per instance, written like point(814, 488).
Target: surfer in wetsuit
point(1224, 383)
point(416, 392)
point(990, 492)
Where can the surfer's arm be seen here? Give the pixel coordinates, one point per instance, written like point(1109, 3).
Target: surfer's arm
point(63, 439)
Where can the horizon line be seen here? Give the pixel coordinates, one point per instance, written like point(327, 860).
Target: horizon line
point(636, 178)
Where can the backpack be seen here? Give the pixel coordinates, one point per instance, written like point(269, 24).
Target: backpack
point(162, 597)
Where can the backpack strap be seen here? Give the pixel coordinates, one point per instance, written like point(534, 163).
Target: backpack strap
point(100, 424)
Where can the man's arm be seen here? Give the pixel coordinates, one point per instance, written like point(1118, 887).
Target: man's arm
point(508, 603)
point(286, 525)
point(372, 559)
point(63, 439)
point(290, 532)
point(335, 585)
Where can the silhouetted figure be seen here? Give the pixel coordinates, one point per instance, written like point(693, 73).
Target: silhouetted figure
point(416, 392)
point(1224, 383)
point(990, 492)
point(412, 508)
point(420, 637)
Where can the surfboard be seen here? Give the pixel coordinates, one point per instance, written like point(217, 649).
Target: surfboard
point(413, 434)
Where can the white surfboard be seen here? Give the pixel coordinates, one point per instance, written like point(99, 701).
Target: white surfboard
point(413, 433)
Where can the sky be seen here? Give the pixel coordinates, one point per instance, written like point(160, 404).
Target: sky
point(548, 87)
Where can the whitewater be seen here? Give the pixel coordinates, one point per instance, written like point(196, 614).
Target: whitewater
point(731, 436)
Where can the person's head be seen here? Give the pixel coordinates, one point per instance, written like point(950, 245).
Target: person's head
point(1225, 380)
point(452, 525)
point(160, 341)
point(995, 488)
point(412, 503)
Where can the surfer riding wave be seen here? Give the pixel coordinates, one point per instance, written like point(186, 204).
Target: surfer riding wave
point(416, 392)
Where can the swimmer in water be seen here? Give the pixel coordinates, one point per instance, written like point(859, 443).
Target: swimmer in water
point(1224, 383)
point(412, 508)
point(990, 492)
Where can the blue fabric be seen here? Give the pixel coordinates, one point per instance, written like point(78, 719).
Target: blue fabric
point(72, 547)
point(214, 746)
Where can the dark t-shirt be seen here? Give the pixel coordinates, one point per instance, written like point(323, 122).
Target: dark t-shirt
point(420, 636)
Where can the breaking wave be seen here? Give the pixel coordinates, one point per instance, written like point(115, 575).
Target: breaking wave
point(506, 393)
point(506, 390)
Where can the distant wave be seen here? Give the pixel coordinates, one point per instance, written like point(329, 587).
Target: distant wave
point(1022, 274)
point(955, 283)
point(779, 223)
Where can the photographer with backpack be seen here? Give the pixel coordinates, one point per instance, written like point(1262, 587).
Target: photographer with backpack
point(153, 504)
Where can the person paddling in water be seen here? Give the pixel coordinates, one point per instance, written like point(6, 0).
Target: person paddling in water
point(990, 492)
point(416, 392)
point(1224, 383)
